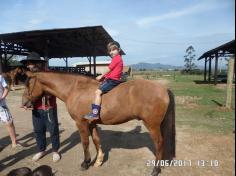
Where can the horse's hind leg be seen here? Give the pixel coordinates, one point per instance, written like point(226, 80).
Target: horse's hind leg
point(96, 141)
point(155, 133)
point(84, 134)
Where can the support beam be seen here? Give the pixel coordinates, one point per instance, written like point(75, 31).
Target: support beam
point(209, 71)
point(66, 61)
point(94, 66)
point(216, 68)
point(46, 57)
point(90, 69)
point(205, 69)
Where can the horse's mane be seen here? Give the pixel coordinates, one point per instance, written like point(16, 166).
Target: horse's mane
point(79, 77)
point(69, 73)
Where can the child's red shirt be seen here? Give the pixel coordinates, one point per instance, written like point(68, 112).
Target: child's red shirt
point(116, 67)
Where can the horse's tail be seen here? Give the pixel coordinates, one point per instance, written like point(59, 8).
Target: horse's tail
point(168, 130)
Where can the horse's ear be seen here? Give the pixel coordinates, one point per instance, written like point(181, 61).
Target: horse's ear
point(29, 74)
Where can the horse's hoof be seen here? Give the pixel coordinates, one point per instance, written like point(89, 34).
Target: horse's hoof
point(156, 171)
point(97, 164)
point(99, 160)
point(85, 165)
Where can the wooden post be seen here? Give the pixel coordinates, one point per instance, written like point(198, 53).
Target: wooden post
point(209, 71)
point(131, 72)
point(94, 66)
point(229, 82)
point(205, 69)
point(67, 65)
point(216, 68)
point(46, 57)
point(90, 69)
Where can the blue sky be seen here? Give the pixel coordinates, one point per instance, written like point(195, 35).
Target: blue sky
point(154, 31)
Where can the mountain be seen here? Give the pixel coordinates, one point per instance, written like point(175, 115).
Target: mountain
point(154, 66)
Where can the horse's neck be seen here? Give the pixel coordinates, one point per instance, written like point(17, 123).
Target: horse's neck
point(61, 85)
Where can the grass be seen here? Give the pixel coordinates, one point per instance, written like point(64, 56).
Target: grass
point(201, 105)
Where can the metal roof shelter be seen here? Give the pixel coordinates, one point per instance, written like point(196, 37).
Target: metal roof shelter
point(225, 50)
point(57, 43)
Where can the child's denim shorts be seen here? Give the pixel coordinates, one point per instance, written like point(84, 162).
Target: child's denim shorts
point(108, 84)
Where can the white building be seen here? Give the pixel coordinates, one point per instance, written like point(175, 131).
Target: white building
point(100, 66)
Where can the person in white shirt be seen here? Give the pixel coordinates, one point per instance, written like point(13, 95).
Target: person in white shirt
point(5, 115)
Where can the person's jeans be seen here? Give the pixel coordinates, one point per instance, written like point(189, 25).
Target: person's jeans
point(46, 120)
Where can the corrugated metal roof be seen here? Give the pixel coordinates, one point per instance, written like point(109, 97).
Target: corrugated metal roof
point(58, 43)
point(228, 47)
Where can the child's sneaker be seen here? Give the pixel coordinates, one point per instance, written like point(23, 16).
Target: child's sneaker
point(38, 156)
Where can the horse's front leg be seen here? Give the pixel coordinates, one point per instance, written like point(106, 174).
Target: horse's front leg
point(84, 135)
point(96, 141)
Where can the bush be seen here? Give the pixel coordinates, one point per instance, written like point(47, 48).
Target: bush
point(192, 72)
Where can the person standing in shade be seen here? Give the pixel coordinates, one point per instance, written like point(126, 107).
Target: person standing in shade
point(44, 113)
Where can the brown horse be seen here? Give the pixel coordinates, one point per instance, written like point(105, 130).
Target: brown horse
point(11, 75)
point(136, 99)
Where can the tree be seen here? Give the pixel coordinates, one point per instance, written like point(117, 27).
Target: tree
point(189, 59)
point(10, 60)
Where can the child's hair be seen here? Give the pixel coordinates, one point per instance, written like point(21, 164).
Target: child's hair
point(113, 44)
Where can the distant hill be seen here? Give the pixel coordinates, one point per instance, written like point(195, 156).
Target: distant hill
point(154, 66)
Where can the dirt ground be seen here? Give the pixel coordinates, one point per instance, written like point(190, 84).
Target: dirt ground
point(128, 148)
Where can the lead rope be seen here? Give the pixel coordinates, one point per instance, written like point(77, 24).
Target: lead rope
point(47, 103)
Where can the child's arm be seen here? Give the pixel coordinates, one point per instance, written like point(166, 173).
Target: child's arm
point(5, 88)
point(5, 93)
point(107, 70)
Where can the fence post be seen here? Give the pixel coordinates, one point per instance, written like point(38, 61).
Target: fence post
point(229, 82)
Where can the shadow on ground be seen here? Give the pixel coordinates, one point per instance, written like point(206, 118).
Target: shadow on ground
point(133, 139)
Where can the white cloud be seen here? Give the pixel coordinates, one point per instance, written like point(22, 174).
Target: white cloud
point(35, 21)
point(199, 8)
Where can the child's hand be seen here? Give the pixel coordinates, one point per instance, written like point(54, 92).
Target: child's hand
point(99, 78)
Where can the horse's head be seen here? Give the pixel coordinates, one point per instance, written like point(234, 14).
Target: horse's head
point(20, 70)
point(33, 90)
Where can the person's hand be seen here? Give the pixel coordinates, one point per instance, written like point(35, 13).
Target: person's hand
point(27, 108)
point(99, 78)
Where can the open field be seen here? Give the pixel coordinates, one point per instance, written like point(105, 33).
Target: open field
point(205, 131)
